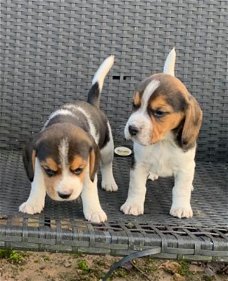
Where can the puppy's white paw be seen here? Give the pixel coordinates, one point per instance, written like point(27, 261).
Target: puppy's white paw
point(109, 185)
point(132, 207)
point(31, 207)
point(181, 211)
point(96, 215)
point(152, 176)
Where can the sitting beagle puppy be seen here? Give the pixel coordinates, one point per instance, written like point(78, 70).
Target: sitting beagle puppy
point(164, 126)
point(63, 159)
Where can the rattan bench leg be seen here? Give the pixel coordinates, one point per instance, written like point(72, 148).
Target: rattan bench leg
point(130, 257)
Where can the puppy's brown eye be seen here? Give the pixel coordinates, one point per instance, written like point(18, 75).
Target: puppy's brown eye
point(50, 172)
point(77, 171)
point(159, 113)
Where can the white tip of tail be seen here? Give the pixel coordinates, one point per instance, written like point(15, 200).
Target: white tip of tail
point(103, 71)
point(169, 66)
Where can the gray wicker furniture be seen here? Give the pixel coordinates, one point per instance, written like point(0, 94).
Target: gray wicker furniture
point(49, 51)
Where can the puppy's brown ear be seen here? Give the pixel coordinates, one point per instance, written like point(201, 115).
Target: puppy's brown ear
point(29, 155)
point(192, 124)
point(94, 157)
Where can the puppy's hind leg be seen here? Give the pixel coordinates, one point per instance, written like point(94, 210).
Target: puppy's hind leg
point(108, 182)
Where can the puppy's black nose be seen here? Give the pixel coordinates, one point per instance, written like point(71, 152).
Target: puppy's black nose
point(133, 130)
point(64, 195)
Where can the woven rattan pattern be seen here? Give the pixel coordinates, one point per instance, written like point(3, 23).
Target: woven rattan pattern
point(208, 199)
point(61, 226)
point(49, 51)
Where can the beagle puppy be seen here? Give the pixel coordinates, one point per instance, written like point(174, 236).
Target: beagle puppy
point(63, 158)
point(164, 126)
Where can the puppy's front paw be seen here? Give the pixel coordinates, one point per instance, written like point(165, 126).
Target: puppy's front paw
point(132, 207)
point(109, 185)
point(31, 207)
point(181, 211)
point(96, 215)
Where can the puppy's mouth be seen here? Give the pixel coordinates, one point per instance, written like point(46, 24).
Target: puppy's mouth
point(62, 197)
point(143, 143)
point(137, 134)
point(140, 141)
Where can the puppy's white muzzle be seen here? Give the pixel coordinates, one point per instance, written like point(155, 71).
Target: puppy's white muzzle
point(139, 129)
point(69, 188)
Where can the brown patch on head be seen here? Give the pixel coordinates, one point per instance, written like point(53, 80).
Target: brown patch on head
point(78, 164)
point(50, 164)
point(161, 128)
point(160, 102)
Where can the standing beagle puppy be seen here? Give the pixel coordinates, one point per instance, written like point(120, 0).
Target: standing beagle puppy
point(63, 159)
point(164, 126)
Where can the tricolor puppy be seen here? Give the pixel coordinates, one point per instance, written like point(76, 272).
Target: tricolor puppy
point(164, 126)
point(63, 159)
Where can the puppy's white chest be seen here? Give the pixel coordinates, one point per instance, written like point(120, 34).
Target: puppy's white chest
point(160, 162)
point(157, 158)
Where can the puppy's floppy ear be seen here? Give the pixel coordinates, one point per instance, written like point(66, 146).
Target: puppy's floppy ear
point(29, 156)
point(94, 157)
point(192, 124)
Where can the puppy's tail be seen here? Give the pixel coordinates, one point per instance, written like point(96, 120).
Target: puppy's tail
point(98, 81)
point(169, 65)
